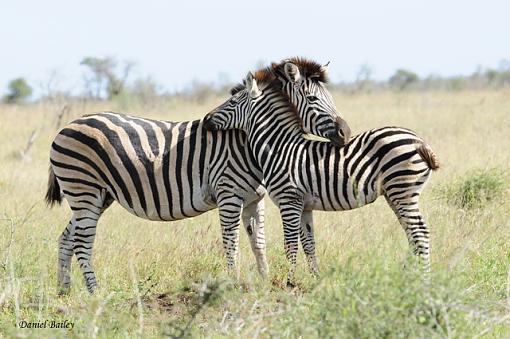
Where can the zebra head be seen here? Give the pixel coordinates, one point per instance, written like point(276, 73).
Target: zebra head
point(232, 114)
point(236, 112)
point(304, 82)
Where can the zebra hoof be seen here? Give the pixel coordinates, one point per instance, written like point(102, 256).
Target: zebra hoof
point(290, 284)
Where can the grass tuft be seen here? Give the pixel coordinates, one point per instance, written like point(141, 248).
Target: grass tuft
point(475, 189)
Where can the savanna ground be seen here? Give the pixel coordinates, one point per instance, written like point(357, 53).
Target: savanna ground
point(160, 279)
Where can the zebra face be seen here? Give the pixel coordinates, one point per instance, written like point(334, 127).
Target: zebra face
point(231, 114)
point(314, 104)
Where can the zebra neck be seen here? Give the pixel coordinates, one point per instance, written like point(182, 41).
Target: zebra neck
point(273, 130)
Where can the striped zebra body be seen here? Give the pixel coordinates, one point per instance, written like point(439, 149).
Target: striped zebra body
point(303, 175)
point(167, 171)
point(371, 164)
point(156, 170)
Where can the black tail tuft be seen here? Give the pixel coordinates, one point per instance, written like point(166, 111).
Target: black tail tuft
point(53, 194)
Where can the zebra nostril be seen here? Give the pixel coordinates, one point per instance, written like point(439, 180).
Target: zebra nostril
point(343, 129)
point(336, 139)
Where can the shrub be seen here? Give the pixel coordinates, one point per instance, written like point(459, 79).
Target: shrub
point(402, 79)
point(19, 90)
point(475, 189)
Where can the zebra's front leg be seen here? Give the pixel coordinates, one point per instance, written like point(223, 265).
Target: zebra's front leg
point(230, 219)
point(291, 212)
point(253, 220)
point(65, 254)
point(308, 241)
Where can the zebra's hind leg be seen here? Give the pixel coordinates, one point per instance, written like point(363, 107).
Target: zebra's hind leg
point(230, 207)
point(87, 210)
point(65, 254)
point(308, 241)
point(253, 220)
point(406, 208)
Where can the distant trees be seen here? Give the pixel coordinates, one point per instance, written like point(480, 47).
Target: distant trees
point(402, 79)
point(364, 78)
point(19, 91)
point(104, 80)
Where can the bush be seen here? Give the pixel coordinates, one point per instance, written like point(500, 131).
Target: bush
point(19, 90)
point(402, 79)
point(475, 189)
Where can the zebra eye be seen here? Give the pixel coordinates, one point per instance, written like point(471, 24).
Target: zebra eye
point(312, 98)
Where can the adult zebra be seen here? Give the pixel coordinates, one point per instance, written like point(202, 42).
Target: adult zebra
point(303, 175)
point(164, 171)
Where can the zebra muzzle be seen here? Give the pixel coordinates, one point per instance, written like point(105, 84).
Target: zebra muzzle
point(342, 133)
point(208, 123)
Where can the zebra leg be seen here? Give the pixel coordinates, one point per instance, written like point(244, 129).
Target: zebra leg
point(65, 254)
point(84, 235)
point(230, 218)
point(308, 241)
point(253, 220)
point(86, 215)
point(418, 234)
point(291, 212)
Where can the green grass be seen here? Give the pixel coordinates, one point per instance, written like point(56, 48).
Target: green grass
point(476, 188)
point(168, 279)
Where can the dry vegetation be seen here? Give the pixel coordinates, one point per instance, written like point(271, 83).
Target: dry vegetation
point(169, 279)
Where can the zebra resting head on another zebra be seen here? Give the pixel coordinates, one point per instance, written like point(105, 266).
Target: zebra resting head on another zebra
point(161, 170)
point(303, 82)
point(304, 175)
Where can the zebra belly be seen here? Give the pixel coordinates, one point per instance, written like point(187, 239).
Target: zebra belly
point(165, 214)
point(348, 195)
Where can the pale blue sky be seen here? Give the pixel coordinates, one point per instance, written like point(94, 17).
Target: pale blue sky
point(176, 42)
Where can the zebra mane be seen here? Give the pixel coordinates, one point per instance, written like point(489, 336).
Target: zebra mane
point(308, 68)
point(269, 77)
point(274, 84)
point(237, 88)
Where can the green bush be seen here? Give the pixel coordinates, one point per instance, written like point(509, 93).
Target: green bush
point(475, 189)
point(402, 79)
point(19, 90)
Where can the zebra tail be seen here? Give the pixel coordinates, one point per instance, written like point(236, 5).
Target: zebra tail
point(428, 155)
point(53, 194)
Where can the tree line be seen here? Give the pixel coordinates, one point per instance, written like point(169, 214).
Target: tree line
point(107, 78)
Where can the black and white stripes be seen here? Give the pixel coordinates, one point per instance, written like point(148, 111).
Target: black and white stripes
point(156, 170)
point(303, 175)
point(163, 171)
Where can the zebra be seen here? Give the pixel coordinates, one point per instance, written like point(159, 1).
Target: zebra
point(305, 175)
point(163, 171)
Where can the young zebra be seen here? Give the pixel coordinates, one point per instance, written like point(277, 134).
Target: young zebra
point(302, 175)
point(161, 170)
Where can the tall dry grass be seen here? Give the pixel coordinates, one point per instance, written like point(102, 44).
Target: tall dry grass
point(169, 278)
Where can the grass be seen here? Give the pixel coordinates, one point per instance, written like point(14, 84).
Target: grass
point(168, 279)
point(476, 188)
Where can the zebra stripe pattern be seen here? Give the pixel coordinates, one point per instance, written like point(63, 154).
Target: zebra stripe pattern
point(161, 170)
point(303, 175)
point(156, 170)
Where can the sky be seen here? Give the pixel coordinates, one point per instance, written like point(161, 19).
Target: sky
point(178, 42)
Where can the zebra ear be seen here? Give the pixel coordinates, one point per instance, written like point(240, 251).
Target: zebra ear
point(251, 85)
point(292, 72)
point(325, 67)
